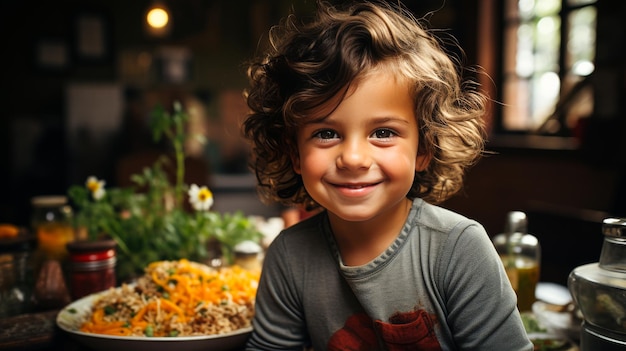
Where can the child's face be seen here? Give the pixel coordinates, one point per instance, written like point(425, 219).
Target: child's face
point(360, 161)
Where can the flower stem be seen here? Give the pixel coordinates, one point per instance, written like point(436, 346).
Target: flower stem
point(178, 140)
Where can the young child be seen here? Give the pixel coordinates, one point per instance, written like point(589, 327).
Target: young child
point(362, 113)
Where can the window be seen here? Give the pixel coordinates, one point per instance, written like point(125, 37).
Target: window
point(548, 55)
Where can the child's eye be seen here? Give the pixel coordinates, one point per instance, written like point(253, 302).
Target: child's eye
point(326, 134)
point(383, 133)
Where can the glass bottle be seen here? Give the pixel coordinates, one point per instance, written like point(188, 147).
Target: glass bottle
point(521, 255)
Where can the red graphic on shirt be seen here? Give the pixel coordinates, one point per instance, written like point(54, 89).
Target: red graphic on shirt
point(405, 331)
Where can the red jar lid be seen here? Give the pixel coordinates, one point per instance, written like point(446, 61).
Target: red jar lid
point(86, 251)
point(92, 256)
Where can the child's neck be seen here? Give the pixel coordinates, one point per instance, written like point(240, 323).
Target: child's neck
point(361, 242)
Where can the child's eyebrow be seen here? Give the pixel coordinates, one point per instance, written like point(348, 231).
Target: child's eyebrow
point(385, 119)
point(375, 120)
point(316, 120)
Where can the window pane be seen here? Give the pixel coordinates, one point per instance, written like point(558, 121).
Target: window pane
point(579, 61)
point(536, 65)
point(539, 69)
point(524, 62)
point(547, 7)
point(515, 113)
point(581, 41)
point(545, 92)
point(547, 44)
point(580, 2)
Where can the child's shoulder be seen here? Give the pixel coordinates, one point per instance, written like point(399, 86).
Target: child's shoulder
point(304, 231)
point(439, 218)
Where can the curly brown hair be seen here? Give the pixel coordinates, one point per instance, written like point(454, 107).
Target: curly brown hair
point(310, 63)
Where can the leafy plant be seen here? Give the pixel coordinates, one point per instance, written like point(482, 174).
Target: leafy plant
point(148, 221)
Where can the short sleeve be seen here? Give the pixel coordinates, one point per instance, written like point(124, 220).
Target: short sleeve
point(481, 304)
point(278, 322)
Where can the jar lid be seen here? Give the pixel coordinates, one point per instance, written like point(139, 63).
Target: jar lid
point(248, 247)
point(84, 250)
point(614, 227)
point(516, 222)
point(49, 200)
point(91, 245)
point(90, 256)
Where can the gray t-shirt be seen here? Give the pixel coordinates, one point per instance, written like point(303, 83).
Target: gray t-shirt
point(439, 286)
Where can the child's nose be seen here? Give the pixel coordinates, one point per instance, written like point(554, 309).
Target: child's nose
point(354, 155)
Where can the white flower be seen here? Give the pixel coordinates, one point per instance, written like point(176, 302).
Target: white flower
point(201, 198)
point(96, 187)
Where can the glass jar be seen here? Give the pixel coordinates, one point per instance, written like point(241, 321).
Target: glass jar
point(17, 278)
point(51, 222)
point(521, 255)
point(91, 267)
point(247, 255)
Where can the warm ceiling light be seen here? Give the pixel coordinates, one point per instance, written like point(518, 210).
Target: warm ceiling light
point(157, 17)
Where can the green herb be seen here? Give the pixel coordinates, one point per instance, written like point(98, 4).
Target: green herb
point(531, 324)
point(109, 310)
point(148, 221)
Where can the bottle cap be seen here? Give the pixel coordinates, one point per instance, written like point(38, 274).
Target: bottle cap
point(615, 227)
point(516, 222)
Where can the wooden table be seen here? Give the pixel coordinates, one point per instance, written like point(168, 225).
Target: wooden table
point(35, 331)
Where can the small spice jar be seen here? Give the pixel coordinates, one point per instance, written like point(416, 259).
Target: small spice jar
point(91, 266)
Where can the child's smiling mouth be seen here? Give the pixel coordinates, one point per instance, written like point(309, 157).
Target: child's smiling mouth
point(355, 189)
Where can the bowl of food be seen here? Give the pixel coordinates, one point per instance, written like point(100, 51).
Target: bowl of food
point(175, 305)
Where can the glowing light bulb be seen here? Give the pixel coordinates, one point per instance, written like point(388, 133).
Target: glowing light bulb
point(157, 17)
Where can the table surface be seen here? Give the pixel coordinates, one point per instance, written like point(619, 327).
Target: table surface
point(38, 331)
point(35, 331)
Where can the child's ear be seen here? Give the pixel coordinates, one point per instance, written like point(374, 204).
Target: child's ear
point(422, 161)
point(295, 160)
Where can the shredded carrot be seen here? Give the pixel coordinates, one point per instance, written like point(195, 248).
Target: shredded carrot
point(185, 290)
